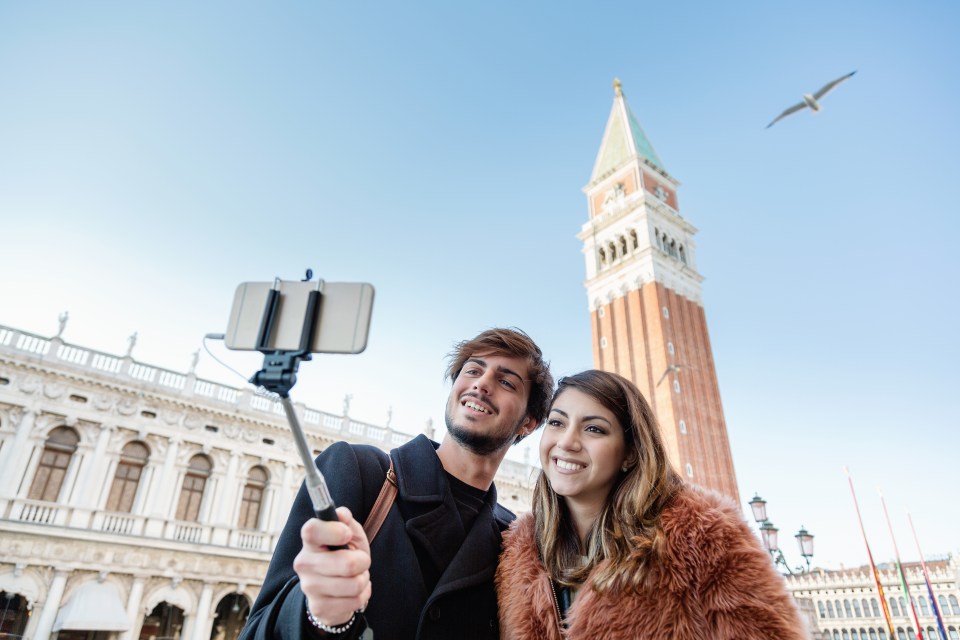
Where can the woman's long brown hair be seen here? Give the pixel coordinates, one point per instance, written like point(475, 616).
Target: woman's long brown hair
point(629, 521)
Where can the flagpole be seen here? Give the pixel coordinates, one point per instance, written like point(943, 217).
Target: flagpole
point(903, 579)
point(926, 578)
point(873, 567)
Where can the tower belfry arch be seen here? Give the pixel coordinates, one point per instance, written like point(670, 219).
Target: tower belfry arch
point(644, 296)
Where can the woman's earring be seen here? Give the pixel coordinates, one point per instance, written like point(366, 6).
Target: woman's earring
point(624, 468)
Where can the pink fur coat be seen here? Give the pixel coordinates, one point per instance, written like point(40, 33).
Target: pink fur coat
point(711, 580)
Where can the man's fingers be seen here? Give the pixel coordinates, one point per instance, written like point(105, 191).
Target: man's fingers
point(343, 563)
point(358, 535)
point(319, 535)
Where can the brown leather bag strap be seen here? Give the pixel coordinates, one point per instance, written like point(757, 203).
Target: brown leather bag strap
point(388, 492)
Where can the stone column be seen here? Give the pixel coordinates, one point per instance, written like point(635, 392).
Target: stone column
point(14, 456)
point(203, 623)
point(48, 615)
point(228, 492)
point(83, 499)
point(133, 610)
point(285, 499)
point(158, 505)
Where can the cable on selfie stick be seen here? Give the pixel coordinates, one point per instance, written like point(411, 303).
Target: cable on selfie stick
point(279, 374)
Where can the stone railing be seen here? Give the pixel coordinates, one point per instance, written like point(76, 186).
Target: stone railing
point(126, 369)
point(134, 525)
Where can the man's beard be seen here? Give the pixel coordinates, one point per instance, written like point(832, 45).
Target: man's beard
point(481, 444)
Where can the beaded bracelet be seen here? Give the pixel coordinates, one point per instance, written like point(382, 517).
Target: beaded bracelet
point(329, 629)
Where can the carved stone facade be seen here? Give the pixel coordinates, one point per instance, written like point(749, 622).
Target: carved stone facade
point(78, 507)
point(845, 605)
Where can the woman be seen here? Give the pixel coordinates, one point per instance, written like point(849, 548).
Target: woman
point(618, 546)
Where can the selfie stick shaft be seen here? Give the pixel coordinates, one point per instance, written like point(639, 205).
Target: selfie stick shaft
point(278, 375)
point(323, 505)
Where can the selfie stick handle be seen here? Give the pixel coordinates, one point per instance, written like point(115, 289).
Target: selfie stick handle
point(278, 375)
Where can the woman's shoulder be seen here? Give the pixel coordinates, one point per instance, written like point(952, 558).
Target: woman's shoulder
point(696, 519)
point(520, 532)
point(519, 562)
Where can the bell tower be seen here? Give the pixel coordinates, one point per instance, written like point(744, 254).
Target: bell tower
point(644, 295)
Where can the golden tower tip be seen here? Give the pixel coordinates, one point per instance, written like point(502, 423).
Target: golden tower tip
point(617, 87)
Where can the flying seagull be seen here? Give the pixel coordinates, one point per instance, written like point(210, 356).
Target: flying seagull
point(811, 100)
point(673, 368)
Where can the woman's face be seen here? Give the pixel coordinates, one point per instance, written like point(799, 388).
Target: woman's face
point(582, 449)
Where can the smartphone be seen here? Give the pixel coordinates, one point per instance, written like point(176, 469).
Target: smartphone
point(342, 326)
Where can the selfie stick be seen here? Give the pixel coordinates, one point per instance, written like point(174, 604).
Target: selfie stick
point(278, 375)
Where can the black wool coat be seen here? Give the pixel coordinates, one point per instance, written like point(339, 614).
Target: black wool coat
point(420, 533)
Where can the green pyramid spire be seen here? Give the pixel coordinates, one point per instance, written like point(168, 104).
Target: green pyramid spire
point(623, 139)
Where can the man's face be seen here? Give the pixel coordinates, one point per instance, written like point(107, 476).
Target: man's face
point(487, 408)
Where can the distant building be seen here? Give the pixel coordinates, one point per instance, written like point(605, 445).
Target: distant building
point(143, 503)
point(845, 605)
point(646, 309)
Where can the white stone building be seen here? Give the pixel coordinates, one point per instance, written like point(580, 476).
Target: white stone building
point(845, 604)
point(138, 502)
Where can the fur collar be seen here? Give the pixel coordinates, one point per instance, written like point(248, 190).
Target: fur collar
point(710, 580)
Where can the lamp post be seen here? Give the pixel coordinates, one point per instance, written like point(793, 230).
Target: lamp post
point(768, 534)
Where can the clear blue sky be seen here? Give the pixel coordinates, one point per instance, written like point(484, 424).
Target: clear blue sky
point(155, 155)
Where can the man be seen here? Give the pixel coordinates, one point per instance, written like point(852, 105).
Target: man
point(429, 571)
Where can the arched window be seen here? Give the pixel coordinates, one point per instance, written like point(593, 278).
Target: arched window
point(823, 609)
point(670, 348)
point(953, 633)
point(57, 453)
point(165, 621)
point(191, 493)
point(634, 241)
point(613, 251)
point(232, 612)
point(846, 608)
point(683, 429)
point(866, 608)
point(673, 248)
point(830, 609)
point(683, 255)
point(894, 607)
point(252, 498)
point(901, 635)
point(603, 256)
point(133, 458)
point(839, 608)
point(903, 606)
point(676, 386)
point(15, 615)
point(924, 609)
point(845, 634)
point(943, 605)
point(932, 634)
point(875, 607)
point(856, 609)
point(883, 634)
point(836, 635)
point(623, 246)
point(873, 634)
point(954, 606)
point(689, 470)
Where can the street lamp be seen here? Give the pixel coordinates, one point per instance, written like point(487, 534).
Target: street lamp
point(768, 534)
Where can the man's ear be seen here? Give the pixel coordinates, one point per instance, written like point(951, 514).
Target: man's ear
point(529, 426)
